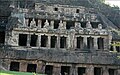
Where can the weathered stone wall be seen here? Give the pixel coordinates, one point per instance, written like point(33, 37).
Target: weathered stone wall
point(62, 56)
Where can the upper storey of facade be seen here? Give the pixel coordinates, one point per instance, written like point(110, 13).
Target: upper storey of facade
point(58, 26)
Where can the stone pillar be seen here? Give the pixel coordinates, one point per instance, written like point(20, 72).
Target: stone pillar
point(39, 23)
point(52, 24)
point(28, 39)
point(23, 67)
point(73, 70)
point(39, 41)
point(95, 43)
point(64, 23)
point(40, 67)
point(56, 70)
point(85, 42)
point(90, 70)
point(48, 44)
point(75, 42)
point(68, 42)
point(58, 41)
point(105, 71)
point(26, 22)
point(118, 72)
point(105, 43)
point(114, 47)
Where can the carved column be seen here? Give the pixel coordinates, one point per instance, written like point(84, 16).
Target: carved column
point(26, 22)
point(28, 39)
point(95, 43)
point(105, 43)
point(75, 42)
point(39, 41)
point(52, 24)
point(114, 47)
point(39, 23)
point(56, 70)
point(73, 70)
point(23, 67)
point(105, 71)
point(85, 42)
point(48, 44)
point(58, 41)
point(64, 23)
point(40, 67)
point(90, 70)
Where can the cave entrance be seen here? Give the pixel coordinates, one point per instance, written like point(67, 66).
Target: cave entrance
point(31, 68)
point(14, 66)
point(22, 39)
point(2, 37)
point(49, 70)
point(65, 70)
point(81, 70)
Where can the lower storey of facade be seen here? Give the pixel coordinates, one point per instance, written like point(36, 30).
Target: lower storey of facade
point(57, 68)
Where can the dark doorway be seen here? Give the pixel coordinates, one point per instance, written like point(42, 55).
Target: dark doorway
point(77, 11)
point(2, 37)
point(100, 43)
point(63, 42)
point(56, 24)
point(111, 71)
point(97, 71)
point(48, 69)
point(118, 48)
point(14, 66)
point(81, 70)
point(95, 24)
point(65, 70)
point(33, 41)
point(36, 21)
point(80, 42)
point(31, 68)
point(53, 41)
point(90, 43)
point(29, 21)
point(43, 22)
point(22, 39)
point(70, 24)
point(44, 40)
point(83, 24)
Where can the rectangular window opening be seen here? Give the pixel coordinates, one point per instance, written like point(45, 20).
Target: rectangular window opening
point(80, 42)
point(33, 41)
point(2, 37)
point(56, 24)
point(81, 70)
point(77, 10)
point(65, 70)
point(14, 66)
point(53, 41)
point(97, 71)
point(62, 42)
point(118, 48)
point(31, 68)
point(44, 40)
point(70, 24)
point(36, 21)
point(90, 43)
point(100, 43)
point(49, 70)
point(83, 24)
point(95, 24)
point(29, 21)
point(111, 71)
point(22, 39)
